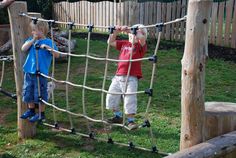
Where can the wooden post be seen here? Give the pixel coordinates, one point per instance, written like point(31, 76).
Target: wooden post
point(19, 29)
point(220, 118)
point(193, 72)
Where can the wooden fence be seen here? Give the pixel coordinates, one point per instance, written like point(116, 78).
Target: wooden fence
point(222, 29)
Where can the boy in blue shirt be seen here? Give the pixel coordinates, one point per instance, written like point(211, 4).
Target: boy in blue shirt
point(30, 87)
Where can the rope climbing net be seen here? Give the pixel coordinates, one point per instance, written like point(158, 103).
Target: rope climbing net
point(149, 91)
point(4, 59)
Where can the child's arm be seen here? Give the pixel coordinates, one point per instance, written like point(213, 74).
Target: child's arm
point(54, 53)
point(25, 47)
point(112, 39)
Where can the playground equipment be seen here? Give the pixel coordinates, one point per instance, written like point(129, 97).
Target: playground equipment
point(193, 72)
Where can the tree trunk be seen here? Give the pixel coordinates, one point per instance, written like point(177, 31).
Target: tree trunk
point(193, 72)
point(19, 32)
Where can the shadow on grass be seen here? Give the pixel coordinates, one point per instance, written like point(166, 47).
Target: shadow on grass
point(70, 142)
point(5, 155)
point(140, 137)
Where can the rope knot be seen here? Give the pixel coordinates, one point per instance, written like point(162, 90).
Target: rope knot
point(70, 25)
point(51, 23)
point(111, 29)
point(35, 20)
point(160, 26)
point(90, 27)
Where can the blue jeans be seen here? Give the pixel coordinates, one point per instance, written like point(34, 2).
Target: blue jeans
point(30, 88)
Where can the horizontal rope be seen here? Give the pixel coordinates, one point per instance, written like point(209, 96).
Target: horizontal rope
point(6, 58)
point(105, 27)
point(89, 88)
point(84, 116)
point(166, 23)
point(96, 58)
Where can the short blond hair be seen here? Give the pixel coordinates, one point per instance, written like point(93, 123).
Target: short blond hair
point(41, 26)
point(143, 29)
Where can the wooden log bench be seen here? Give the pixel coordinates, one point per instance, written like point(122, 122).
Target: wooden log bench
point(220, 119)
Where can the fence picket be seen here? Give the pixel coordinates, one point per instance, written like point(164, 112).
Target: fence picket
point(173, 16)
point(183, 13)
point(168, 18)
point(177, 25)
point(233, 35)
point(213, 23)
point(220, 24)
point(229, 8)
point(107, 13)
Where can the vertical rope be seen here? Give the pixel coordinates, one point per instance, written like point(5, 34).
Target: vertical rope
point(38, 81)
point(85, 78)
point(104, 83)
point(126, 86)
point(153, 73)
point(3, 71)
point(67, 79)
point(128, 75)
point(151, 86)
point(104, 79)
point(53, 71)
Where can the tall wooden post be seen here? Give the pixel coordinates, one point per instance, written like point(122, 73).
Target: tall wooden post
point(19, 31)
point(193, 72)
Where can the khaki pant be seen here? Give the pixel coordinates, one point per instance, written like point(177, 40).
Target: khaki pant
point(118, 86)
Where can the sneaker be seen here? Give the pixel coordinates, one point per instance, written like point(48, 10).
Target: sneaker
point(132, 125)
point(115, 119)
point(27, 114)
point(36, 118)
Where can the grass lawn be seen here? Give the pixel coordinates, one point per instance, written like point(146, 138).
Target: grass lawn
point(164, 111)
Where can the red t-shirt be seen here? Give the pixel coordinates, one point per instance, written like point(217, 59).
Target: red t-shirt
point(125, 48)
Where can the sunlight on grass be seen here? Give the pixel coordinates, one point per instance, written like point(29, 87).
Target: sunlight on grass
point(164, 111)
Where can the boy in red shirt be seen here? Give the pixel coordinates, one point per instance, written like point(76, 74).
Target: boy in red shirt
point(119, 80)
